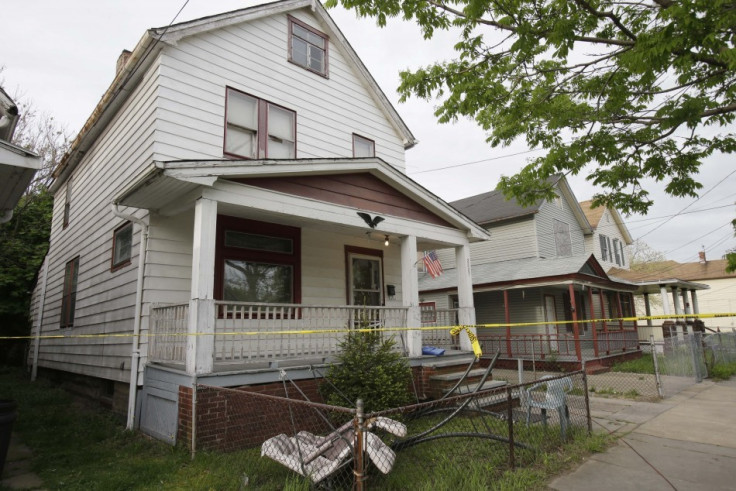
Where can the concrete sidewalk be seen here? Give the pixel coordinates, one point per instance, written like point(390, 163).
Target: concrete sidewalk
point(685, 442)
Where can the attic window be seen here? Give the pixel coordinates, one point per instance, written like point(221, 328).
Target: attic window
point(363, 147)
point(308, 47)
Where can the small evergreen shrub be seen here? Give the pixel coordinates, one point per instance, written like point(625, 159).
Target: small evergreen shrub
point(369, 369)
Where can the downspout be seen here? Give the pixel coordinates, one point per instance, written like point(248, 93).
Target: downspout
point(135, 348)
point(39, 320)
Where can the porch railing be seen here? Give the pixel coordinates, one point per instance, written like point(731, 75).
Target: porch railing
point(168, 328)
point(443, 319)
point(250, 333)
point(543, 346)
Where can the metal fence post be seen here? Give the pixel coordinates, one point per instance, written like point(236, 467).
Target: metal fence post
point(694, 354)
point(358, 470)
point(510, 418)
point(587, 400)
point(657, 379)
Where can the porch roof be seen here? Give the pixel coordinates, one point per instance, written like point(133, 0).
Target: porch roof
point(529, 272)
point(654, 286)
point(171, 187)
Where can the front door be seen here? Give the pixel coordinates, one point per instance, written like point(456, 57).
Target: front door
point(365, 280)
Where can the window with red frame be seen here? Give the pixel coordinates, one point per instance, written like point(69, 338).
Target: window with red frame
point(257, 261)
point(257, 129)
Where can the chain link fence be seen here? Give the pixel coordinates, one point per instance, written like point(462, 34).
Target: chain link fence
point(464, 441)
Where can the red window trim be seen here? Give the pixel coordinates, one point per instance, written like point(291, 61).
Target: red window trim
point(366, 252)
point(294, 20)
point(69, 293)
point(366, 139)
point(262, 140)
point(113, 266)
point(432, 313)
point(225, 223)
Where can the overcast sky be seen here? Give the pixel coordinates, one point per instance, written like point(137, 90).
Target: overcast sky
point(61, 55)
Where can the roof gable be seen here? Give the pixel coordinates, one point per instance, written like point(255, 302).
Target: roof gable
point(358, 190)
point(594, 216)
point(493, 207)
point(154, 40)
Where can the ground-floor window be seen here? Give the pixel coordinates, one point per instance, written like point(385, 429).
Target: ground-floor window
point(257, 261)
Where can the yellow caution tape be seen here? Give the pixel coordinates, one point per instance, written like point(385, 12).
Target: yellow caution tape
point(453, 329)
point(473, 339)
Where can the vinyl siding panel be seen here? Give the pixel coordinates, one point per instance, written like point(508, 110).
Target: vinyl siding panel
point(607, 226)
point(548, 213)
point(513, 240)
point(105, 300)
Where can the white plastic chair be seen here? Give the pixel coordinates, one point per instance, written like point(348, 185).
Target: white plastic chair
point(555, 398)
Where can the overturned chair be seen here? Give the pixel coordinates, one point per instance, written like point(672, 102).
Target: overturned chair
point(317, 457)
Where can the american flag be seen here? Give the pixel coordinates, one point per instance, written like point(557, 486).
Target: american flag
point(432, 263)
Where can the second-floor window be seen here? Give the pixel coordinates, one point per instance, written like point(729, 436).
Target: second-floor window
point(122, 245)
point(307, 47)
point(257, 129)
point(617, 251)
point(606, 253)
point(363, 147)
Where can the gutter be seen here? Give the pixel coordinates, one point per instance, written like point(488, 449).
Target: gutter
point(135, 354)
point(39, 320)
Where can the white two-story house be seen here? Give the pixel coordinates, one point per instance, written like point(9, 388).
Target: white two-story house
point(243, 176)
point(537, 270)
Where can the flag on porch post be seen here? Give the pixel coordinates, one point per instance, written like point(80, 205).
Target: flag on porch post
point(432, 263)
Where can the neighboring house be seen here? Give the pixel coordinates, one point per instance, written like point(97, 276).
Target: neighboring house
point(17, 165)
point(535, 269)
point(703, 286)
point(610, 239)
point(217, 189)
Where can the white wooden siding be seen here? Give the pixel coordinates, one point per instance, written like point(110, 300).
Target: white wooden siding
point(105, 300)
point(607, 226)
point(252, 57)
point(514, 240)
point(548, 213)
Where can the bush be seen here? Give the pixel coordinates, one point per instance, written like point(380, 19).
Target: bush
point(369, 369)
point(723, 371)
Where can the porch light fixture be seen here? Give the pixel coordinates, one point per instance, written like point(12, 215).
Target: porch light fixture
point(385, 242)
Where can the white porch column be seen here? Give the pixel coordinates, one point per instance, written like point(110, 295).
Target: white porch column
point(410, 294)
point(201, 339)
point(665, 300)
point(466, 307)
point(694, 297)
point(678, 311)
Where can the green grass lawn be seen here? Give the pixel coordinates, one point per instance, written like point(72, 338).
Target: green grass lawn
point(76, 447)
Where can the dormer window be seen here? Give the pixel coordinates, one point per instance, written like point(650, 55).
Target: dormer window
point(307, 47)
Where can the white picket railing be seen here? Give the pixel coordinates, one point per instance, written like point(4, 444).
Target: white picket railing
point(248, 333)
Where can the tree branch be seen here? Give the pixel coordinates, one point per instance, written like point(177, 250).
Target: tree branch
point(608, 15)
